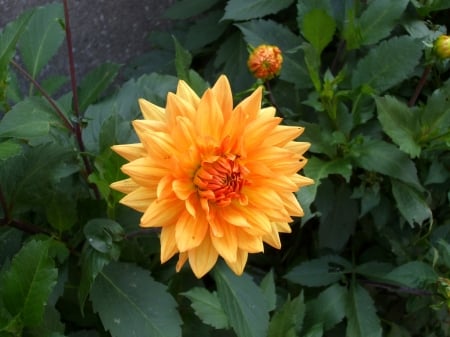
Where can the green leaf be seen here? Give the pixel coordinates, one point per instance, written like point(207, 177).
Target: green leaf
point(185, 9)
point(11, 242)
point(411, 204)
point(103, 234)
point(319, 272)
point(26, 286)
point(379, 156)
point(9, 148)
point(8, 40)
point(400, 122)
point(362, 320)
point(61, 213)
point(95, 82)
point(243, 302)
point(268, 288)
point(318, 28)
point(373, 70)
point(131, 303)
point(198, 37)
point(328, 309)
point(379, 19)
point(315, 331)
point(183, 59)
point(207, 307)
point(287, 320)
point(42, 38)
point(435, 117)
point(414, 274)
point(245, 10)
point(30, 118)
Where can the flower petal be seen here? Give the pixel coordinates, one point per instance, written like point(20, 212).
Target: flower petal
point(168, 244)
point(163, 212)
point(238, 265)
point(151, 111)
point(140, 199)
point(130, 151)
point(224, 97)
point(227, 244)
point(125, 185)
point(183, 188)
point(190, 231)
point(202, 258)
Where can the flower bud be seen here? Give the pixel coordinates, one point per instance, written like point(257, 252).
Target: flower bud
point(442, 46)
point(265, 62)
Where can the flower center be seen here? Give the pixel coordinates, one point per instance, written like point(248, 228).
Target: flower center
point(220, 179)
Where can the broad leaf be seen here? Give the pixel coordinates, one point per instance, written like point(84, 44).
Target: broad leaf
point(318, 28)
point(185, 9)
point(411, 204)
point(328, 309)
point(42, 38)
point(400, 122)
point(207, 307)
point(183, 59)
point(243, 302)
point(26, 286)
point(388, 63)
point(362, 319)
point(130, 303)
point(251, 9)
point(414, 274)
point(379, 19)
point(198, 37)
point(319, 272)
point(95, 82)
point(287, 319)
point(9, 148)
point(268, 288)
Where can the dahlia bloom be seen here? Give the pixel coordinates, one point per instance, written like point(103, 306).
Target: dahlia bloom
point(218, 181)
point(265, 62)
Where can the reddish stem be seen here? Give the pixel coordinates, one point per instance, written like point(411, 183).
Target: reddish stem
point(420, 86)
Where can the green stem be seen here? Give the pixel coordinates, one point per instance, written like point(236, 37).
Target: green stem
point(272, 98)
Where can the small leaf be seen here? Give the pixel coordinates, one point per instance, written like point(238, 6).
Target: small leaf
point(95, 82)
point(102, 235)
point(26, 286)
point(207, 307)
point(414, 274)
point(361, 314)
point(250, 9)
point(130, 303)
point(268, 288)
point(61, 213)
point(319, 272)
point(318, 28)
point(404, 54)
point(183, 59)
point(379, 19)
point(8, 149)
point(287, 320)
point(243, 302)
point(411, 203)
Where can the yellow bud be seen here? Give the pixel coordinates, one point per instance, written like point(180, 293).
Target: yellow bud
point(442, 46)
point(265, 62)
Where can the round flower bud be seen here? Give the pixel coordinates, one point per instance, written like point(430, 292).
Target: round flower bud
point(442, 46)
point(265, 62)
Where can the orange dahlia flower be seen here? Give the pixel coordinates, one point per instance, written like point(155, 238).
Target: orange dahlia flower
point(218, 181)
point(265, 62)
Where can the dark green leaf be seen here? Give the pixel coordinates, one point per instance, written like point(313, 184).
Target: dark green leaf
point(328, 308)
point(319, 272)
point(10, 243)
point(61, 213)
point(411, 204)
point(183, 59)
point(268, 288)
point(130, 303)
point(102, 235)
point(185, 9)
point(251, 9)
point(42, 38)
point(435, 117)
point(207, 307)
point(362, 319)
point(95, 82)
point(9, 148)
point(315, 331)
point(373, 70)
point(26, 286)
point(287, 320)
point(198, 37)
point(243, 302)
point(379, 18)
point(414, 274)
point(318, 28)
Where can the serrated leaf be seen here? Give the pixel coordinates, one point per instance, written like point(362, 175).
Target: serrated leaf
point(183, 59)
point(42, 38)
point(414, 274)
point(328, 309)
point(435, 117)
point(287, 320)
point(26, 286)
point(243, 302)
point(9, 148)
point(318, 28)
point(207, 307)
point(131, 303)
point(373, 70)
point(268, 288)
point(61, 213)
point(30, 118)
point(379, 19)
point(250, 9)
point(197, 36)
point(411, 204)
point(400, 122)
point(382, 157)
point(362, 319)
point(319, 272)
point(185, 9)
point(95, 82)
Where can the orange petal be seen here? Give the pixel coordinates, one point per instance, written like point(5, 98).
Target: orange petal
point(182, 258)
point(249, 243)
point(168, 243)
point(178, 106)
point(161, 213)
point(238, 266)
point(151, 111)
point(251, 105)
point(140, 199)
point(282, 134)
point(183, 188)
point(130, 151)
point(190, 231)
point(125, 186)
point(291, 204)
point(164, 189)
point(223, 94)
point(159, 144)
point(144, 172)
point(227, 244)
point(202, 258)
point(209, 117)
point(185, 91)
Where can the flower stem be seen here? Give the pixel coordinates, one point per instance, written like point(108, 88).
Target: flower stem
point(420, 86)
point(272, 98)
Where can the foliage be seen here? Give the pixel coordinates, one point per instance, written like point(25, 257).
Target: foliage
point(371, 256)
